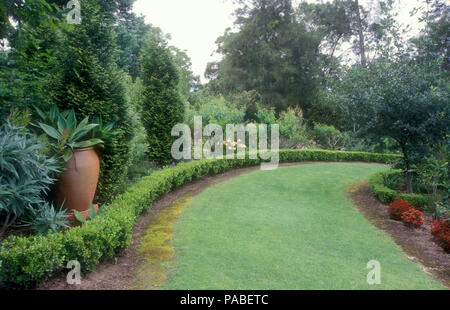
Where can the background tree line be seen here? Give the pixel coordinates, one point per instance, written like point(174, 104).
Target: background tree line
point(348, 69)
point(340, 74)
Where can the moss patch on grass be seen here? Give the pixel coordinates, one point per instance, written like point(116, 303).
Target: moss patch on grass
point(156, 247)
point(354, 188)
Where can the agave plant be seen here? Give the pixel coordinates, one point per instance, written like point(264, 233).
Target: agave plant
point(66, 133)
point(103, 131)
point(47, 219)
point(92, 214)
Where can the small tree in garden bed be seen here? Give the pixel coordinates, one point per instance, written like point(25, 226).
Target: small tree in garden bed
point(404, 100)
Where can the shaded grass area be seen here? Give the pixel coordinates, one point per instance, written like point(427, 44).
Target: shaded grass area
point(292, 228)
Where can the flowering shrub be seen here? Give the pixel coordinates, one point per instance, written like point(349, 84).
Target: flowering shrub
point(441, 232)
point(233, 145)
point(398, 207)
point(413, 218)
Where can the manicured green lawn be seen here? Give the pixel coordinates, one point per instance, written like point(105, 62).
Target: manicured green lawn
point(292, 228)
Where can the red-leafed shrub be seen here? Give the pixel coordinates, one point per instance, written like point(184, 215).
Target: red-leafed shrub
point(398, 207)
point(413, 218)
point(435, 227)
point(441, 232)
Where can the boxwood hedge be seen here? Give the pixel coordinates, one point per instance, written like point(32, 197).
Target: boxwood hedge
point(387, 195)
point(28, 261)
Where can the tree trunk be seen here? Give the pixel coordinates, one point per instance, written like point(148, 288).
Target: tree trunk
point(435, 186)
point(362, 47)
point(8, 222)
point(409, 184)
point(407, 163)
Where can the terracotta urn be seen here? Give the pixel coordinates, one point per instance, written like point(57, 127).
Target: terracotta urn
point(78, 183)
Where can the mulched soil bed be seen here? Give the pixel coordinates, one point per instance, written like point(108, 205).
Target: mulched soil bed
point(418, 243)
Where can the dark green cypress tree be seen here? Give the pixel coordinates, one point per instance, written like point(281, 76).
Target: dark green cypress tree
point(163, 107)
point(90, 82)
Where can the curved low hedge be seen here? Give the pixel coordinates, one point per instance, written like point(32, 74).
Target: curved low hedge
point(387, 195)
point(28, 261)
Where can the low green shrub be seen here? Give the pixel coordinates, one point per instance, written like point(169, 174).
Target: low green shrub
point(329, 137)
point(217, 111)
point(395, 181)
point(27, 262)
point(387, 195)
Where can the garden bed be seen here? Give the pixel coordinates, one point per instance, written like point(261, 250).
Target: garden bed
point(418, 244)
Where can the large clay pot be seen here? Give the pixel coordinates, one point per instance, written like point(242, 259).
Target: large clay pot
point(78, 183)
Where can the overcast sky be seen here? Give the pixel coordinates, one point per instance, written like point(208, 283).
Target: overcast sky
point(196, 24)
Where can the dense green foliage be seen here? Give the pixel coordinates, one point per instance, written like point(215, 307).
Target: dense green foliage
point(162, 106)
point(131, 32)
point(90, 83)
point(414, 110)
point(387, 195)
point(433, 42)
point(78, 66)
point(189, 84)
point(27, 69)
point(29, 261)
point(73, 66)
point(271, 53)
point(215, 111)
point(329, 137)
point(293, 130)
